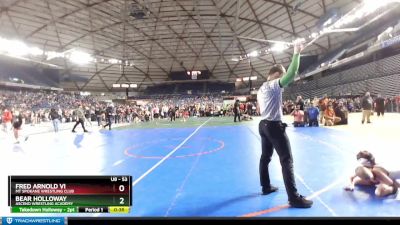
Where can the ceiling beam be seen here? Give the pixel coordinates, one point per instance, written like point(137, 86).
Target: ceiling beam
point(324, 8)
point(289, 6)
point(55, 20)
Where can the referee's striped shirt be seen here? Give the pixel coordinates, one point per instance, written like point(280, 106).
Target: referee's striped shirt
point(269, 98)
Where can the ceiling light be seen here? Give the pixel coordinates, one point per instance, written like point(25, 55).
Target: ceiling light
point(113, 61)
point(253, 54)
point(51, 55)
point(35, 51)
point(80, 57)
point(328, 22)
point(15, 48)
point(279, 47)
point(18, 48)
point(389, 29)
point(299, 40)
point(314, 35)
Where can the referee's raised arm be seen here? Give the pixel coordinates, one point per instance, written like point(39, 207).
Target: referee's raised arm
point(293, 67)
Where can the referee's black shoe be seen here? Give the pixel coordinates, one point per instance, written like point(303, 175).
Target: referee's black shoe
point(269, 190)
point(300, 202)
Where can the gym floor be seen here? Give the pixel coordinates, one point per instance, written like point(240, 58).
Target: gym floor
point(208, 167)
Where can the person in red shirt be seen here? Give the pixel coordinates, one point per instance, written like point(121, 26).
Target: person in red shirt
point(7, 118)
point(185, 114)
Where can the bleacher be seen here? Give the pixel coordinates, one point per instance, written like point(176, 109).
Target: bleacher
point(194, 88)
point(11, 72)
point(161, 89)
point(382, 76)
point(218, 87)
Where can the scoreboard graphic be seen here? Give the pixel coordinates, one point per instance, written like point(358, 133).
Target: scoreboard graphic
point(70, 194)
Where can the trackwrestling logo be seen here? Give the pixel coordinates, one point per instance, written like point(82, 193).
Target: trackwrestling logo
point(33, 220)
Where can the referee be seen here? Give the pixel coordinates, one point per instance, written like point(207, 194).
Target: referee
point(272, 130)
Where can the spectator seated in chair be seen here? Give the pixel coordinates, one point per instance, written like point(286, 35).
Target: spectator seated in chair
point(298, 116)
point(330, 116)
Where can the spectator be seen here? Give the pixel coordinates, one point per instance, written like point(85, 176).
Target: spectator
point(17, 125)
point(313, 113)
point(323, 102)
point(342, 112)
point(366, 104)
point(6, 120)
point(108, 115)
point(330, 116)
point(80, 119)
point(380, 105)
point(236, 110)
point(298, 115)
point(300, 102)
point(172, 113)
point(55, 118)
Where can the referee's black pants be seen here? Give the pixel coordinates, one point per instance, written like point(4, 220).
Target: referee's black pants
point(273, 136)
